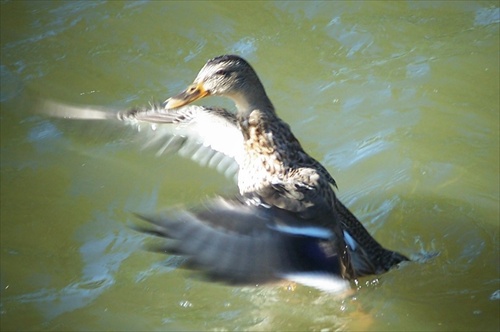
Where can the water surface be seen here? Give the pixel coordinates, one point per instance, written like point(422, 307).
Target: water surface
point(399, 100)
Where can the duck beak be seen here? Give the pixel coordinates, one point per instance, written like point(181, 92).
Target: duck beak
point(194, 92)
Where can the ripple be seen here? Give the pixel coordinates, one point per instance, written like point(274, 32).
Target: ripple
point(487, 16)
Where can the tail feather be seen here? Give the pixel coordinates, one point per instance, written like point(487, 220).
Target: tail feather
point(366, 254)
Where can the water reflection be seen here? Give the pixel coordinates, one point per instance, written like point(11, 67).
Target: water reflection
point(487, 16)
point(11, 84)
point(103, 248)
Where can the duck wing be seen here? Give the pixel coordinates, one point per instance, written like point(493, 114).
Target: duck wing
point(206, 135)
point(238, 242)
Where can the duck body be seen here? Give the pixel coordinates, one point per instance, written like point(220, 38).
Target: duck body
point(282, 174)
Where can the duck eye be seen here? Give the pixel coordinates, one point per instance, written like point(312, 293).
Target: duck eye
point(221, 72)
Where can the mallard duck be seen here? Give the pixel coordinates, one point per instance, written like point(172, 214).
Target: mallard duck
point(286, 221)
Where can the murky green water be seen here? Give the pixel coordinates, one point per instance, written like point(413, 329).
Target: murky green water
point(399, 100)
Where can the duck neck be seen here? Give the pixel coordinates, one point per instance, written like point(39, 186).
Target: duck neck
point(248, 102)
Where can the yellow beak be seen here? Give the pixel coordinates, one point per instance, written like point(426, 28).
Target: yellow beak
point(193, 92)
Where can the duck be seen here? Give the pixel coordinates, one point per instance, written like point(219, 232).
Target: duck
point(285, 222)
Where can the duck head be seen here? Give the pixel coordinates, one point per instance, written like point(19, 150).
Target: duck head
point(228, 76)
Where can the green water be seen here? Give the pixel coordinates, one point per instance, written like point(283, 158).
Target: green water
point(399, 100)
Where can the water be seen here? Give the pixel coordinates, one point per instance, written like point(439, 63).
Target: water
point(399, 100)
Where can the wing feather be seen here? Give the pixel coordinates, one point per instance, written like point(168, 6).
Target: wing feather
point(237, 242)
point(206, 135)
